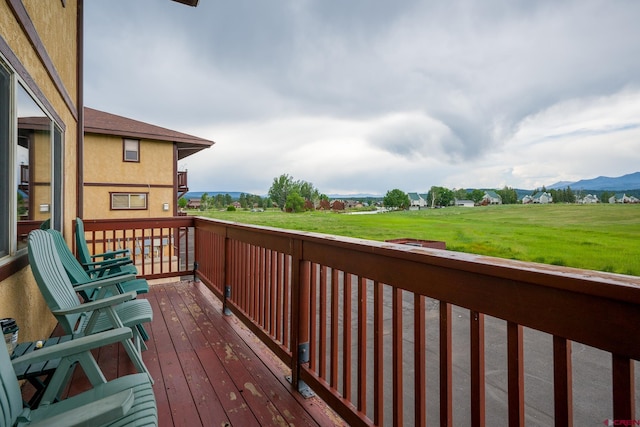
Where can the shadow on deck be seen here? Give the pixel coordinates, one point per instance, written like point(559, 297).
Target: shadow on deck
point(209, 370)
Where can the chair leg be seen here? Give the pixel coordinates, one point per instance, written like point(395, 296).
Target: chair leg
point(136, 358)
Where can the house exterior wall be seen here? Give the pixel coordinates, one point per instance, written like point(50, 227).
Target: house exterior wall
point(56, 26)
point(105, 172)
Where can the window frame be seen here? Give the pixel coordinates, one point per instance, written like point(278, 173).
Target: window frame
point(129, 194)
point(14, 255)
point(125, 151)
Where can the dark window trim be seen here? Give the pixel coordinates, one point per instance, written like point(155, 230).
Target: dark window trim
point(124, 151)
point(111, 193)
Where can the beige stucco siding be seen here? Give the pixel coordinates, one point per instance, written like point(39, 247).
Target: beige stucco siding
point(20, 297)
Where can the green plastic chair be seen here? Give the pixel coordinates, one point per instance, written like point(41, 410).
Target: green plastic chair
point(124, 282)
point(90, 317)
point(112, 261)
point(125, 401)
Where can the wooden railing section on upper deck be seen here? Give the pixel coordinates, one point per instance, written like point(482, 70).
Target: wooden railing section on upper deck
point(398, 335)
point(160, 247)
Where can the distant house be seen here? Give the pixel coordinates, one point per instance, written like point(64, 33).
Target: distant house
point(491, 198)
point(416, 201)
point(324, 205)
point(193, 204)
point(337, 205)
point(464, 203)
point(588, 199)
point(623, 198)
point(539, 197)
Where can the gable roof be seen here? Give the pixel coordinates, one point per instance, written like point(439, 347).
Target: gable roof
point(103, 123)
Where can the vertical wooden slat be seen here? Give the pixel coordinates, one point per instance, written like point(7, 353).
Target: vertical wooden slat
point(286, 295)
point(346, 337)
point(378, 355)
point(279, 297)
point(515, 367)
point(274, 295)
point(477, 369)
point(623, 388)
point(446, 392)
point(362, 344)
point(420, 358)
point(313, 322)
point(562, 382)
point(333, 379)
point(323, 322)
point(398, 390)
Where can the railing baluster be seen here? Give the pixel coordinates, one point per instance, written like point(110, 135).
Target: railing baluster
point(398, 390)
point(515, 367)
point(313, 321)
point(362, 345)
point(378, 355)
point(623, 388)
point(333, 381)
point(279, 315)
point(446, 392)
point(420, 360)
point(286, 294)
point(477, 369)
point(562, 383)
point(323, 322)
point(346, 337)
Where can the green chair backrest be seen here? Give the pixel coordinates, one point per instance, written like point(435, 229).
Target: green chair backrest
point(81, 243)
point(51, 277)
point(74, 270)
point(10, 397)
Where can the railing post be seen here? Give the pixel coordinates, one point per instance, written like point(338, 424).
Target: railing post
point(227, 294)
point(301, 277)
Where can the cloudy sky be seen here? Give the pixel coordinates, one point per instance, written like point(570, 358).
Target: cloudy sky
point(363, 96)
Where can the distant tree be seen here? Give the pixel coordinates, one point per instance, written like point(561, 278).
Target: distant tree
point(295, 202)
point(509, 195)
point(204, 202)
point(283, 185)
point(397, 199)
point(604, 197)
point(280, 189)
point(440, 196)
point(476, 195)
point(460, 194)
point(182, 203)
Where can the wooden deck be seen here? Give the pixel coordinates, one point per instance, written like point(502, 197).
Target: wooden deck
point(209, 370)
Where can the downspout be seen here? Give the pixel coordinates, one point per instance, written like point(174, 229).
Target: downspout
point(80, 124)
point(175, 179)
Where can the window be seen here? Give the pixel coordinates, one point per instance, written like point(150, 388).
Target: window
point(131, 201)
point(131, 149)
point(31, 161)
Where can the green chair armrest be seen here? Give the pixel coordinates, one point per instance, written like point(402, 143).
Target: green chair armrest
point(75, 346)
point(92, 413)
point(97, 304)
point(106, 281)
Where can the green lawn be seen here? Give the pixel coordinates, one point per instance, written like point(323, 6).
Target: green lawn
point(598, 237)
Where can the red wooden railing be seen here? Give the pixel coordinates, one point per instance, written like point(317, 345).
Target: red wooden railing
point(398, 335)
point(160, 247)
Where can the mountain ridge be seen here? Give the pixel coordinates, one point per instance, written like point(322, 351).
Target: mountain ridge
point(629, 181)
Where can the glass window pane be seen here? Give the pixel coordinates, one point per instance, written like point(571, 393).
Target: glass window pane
point(119, 201)
point(138, 201)
point(33, 165)
point(131, 148)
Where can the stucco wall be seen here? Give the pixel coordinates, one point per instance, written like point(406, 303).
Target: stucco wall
point(20, 297)
point(106, 172)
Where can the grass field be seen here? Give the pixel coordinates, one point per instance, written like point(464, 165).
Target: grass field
point(597, 237)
